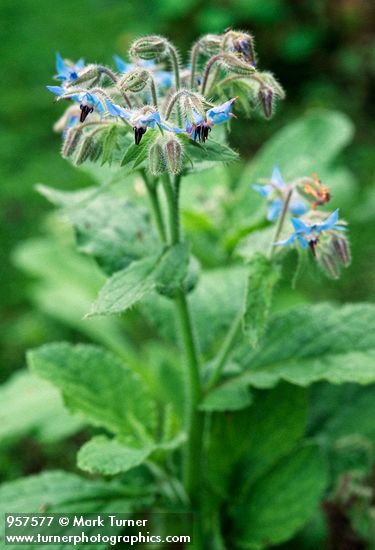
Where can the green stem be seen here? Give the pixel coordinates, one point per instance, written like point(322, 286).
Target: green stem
point(280, 223)
point(207, 70)
point(155, 206)
point(193, 417)
point(194, 62)
point(225, 350)
point(175, 65)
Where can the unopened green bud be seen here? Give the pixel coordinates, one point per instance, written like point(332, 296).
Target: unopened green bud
point(149, 47)
point(89, 73)
point(192, 103)
point(156, 159)
point(211, 44)
point(173, 155)
point(269, 80)
point(237, 65)
point(134, 81)
point(71, 141)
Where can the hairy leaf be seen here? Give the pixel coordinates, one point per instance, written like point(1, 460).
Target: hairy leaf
point(312, 343)
point(263, 275)
point(113, 230)
point(281, 502)
point(98, 386)
point(125, 288)
point(56, 492)
point(109, 456)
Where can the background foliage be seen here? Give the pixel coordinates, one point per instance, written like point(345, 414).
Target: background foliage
point(322, 51)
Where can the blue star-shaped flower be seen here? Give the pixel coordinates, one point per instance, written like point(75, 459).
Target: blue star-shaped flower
point(88, 101)
point(308, 234)
point(139, 121)
point(67, 72)
point(275, 193)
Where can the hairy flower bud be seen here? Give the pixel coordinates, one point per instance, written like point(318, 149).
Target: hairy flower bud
point(211, 44)
point(149, 47)
point(192, 103)
point(340, 246)
point(236, 64)
point(71, 141)
point(134, 81)
point(173, 155)
point(266, 97)
point(156, 159)
point(87, 74)
point(243, 43)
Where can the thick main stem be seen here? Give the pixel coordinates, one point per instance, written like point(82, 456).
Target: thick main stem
point(155, 206)
point(193, 417)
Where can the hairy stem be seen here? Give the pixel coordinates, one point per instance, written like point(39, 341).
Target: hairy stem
point(155, 206)
point(113, 77)
point(193, 62)
point(175, 65)
point(193, 417)
point(207, 70)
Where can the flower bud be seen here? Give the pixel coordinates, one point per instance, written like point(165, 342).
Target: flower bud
point(149, 47)
point(329, 265)
point(134, 81)
point(156, 159)
point(243, 44)
point(266, 97)
point(88, 73)
point(236, 64)
point(340, 246)
point(173, 155)
point(211, 44)
point(192, 103)
point(71, 141)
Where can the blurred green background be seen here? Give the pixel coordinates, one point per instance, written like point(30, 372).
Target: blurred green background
point(322, 51)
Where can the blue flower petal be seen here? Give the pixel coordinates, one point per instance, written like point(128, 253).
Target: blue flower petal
point(330, 221)
point(274, 209)
point(57, 90)
point(277, 178)
point(299, 226)
point(121, 65)
point(60, 65)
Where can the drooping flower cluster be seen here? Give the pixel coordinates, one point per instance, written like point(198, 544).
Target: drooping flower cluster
point(323, 233)
point(153, 92)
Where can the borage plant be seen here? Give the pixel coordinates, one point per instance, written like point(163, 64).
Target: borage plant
point(187, 432)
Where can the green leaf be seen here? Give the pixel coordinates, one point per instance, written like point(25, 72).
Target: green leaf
point(215, 302)
point(66, 286)
point(106, 456)
point(312, 343)
point(29, 405)
point(125, 288)
point(209, 153)
point(314, 141)
point(232, 396)
point(110, 144)
point(109, 456)
point(251, 441)
point(113, 230)
point(263, 275)
point(56, 492)
point(98, 386)
point(255, 243)
point(136, 154)
point(67, 198)
point(281, 502)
